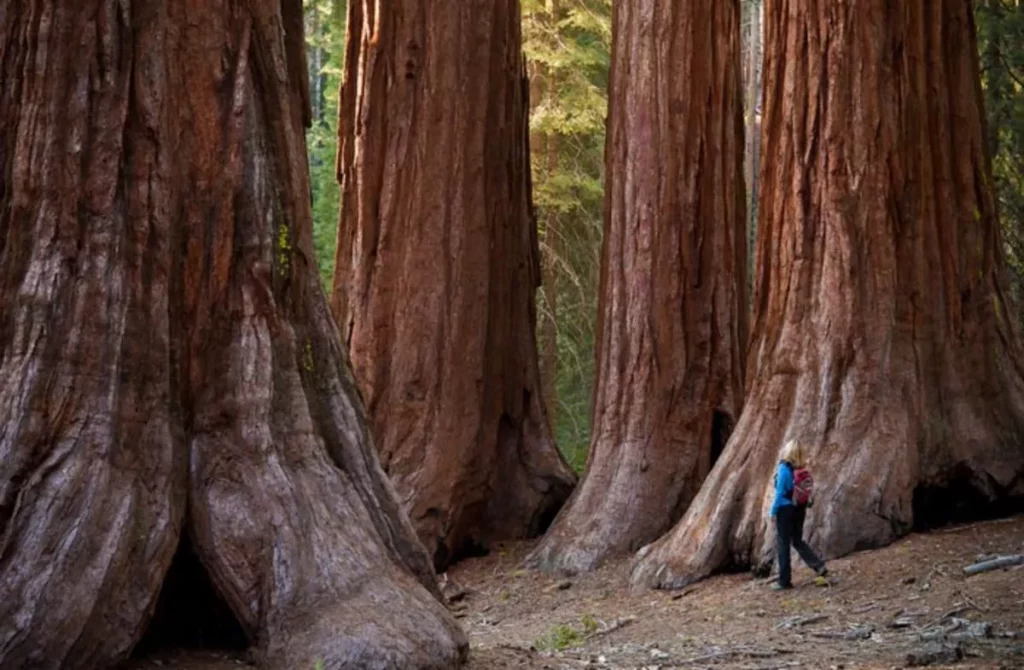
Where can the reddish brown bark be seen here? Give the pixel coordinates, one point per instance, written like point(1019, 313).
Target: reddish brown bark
point(673, 297)
point(881, 334)
point(437, 268)
point(165, 345)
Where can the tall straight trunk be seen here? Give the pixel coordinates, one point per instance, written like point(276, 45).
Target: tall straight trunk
point(438, 265)
point(753, 126)
point(881, 335)
point(673, 289)
point(544, 91)
point(549, 323)
point(168, 363)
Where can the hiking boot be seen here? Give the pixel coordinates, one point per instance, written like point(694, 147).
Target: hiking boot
point(781, 587)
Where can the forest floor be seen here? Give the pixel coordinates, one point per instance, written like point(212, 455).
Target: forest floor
point(903, 606)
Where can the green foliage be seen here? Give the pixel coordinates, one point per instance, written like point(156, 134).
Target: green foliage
point(325, 51)
point(1001, 53)
point(566, 636)
point(559, 638)
point(590, 625)
point(568, 49)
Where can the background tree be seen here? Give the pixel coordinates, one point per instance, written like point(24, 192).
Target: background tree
point(567, 44)
point(1001, 47)
point(325, 48)
point(438, 265)
point(165, 346)
point(673, 284)
point(881, 334)
point(753, 55)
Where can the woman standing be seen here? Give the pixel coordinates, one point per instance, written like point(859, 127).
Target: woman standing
point(789, 511)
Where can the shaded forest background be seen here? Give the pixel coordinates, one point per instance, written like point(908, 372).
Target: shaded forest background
point(568, 45)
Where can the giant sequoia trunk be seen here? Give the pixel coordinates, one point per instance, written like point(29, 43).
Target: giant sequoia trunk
point(437, 268)
point(168, 363)
point(881, 334)
point(673, 297)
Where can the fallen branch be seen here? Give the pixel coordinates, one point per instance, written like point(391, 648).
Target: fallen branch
point(994, 564)
point(861, 609)
point(862, 633)
point(959, 608)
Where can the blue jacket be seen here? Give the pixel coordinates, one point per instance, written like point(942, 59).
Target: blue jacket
point(783, 486)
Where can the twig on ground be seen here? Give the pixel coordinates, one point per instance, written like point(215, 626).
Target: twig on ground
point(753, 652)
point(994, 564)
point(867, 607)
point(515, 647)
point(860, 633)
point(794, 622)
point(612, 627)
point(682, 594)
point(959, 608)
point(970, 601)
point(960, 529)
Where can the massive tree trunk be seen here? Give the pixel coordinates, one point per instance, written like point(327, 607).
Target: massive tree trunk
point(437, 268)
point(881, 334)
point(168, 363)
point(673, 298)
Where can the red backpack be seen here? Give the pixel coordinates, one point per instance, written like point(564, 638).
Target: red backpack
point(803, 486)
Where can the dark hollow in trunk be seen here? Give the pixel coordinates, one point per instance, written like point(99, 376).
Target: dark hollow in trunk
point(960, 499)
point(165, 345)
point(189, 612)
point(882, 335)
point(673, 306)
point(438, 266)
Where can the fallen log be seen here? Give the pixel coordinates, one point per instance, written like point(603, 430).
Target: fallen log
point(994, 564)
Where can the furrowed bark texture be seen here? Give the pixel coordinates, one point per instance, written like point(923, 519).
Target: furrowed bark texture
point(165, 345)
point(673, 279)
point(881, 334)
point(437, 268)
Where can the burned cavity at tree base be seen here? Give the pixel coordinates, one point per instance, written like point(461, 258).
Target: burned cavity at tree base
point(190, 614)
point(963, 498)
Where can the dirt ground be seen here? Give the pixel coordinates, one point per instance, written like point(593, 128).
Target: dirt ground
point(907, 605)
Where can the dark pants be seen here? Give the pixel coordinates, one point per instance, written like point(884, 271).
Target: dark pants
point(789, 527)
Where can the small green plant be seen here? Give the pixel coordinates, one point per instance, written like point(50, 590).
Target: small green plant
point(560, 637)
point(565, 636)
point(319, 665)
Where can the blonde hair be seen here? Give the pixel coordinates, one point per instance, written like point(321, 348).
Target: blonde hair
point(795, 453)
